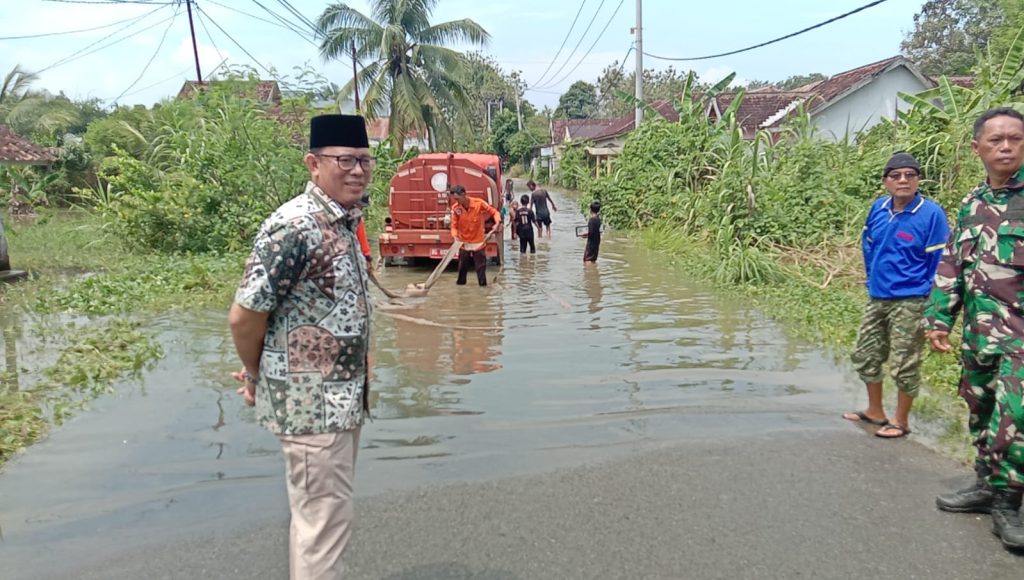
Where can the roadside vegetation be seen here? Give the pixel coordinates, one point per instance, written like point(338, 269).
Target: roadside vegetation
point(777, 218)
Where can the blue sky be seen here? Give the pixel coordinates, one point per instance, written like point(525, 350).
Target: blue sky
point(525, 36)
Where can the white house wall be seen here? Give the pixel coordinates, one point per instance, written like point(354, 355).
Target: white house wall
point(868, 105)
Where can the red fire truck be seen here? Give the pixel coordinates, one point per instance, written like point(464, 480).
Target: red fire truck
point(419, 220)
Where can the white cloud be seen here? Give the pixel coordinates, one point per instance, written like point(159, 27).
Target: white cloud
point(716, 73)
point(209, 57)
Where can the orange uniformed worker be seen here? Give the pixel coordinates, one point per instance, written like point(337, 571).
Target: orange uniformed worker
point(469, 216)
point(364, 240)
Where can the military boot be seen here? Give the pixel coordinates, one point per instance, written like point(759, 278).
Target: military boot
point(975, 499)
point(1006, 522)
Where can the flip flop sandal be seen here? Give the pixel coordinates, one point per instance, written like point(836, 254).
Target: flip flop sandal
point(899, 431)
point(861, 416)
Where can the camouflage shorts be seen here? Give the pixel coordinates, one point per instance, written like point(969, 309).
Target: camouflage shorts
point(893, 330)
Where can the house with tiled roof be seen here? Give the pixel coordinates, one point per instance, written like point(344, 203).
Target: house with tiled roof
point(17, 150)
point(266, 92)
point(843, 104)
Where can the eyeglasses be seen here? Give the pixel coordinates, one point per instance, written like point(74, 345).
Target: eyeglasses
point(908, 175)
point(348, 162)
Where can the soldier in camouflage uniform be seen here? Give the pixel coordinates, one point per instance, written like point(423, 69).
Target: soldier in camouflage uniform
point(982, 273)
point(902, 241)
point(301, 325)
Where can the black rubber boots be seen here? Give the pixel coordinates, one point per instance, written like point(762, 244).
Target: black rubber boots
point(1006, 522)
point(976, 499)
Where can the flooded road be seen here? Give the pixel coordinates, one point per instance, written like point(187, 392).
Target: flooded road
point(557, 365)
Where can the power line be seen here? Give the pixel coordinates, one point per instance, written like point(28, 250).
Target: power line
point(84, 51)
point(589, 50)
point(564, 40)
point(285, 23)
point(44, 34)
point(212, 42)
point(249, 14)
point(178, 74)
point(232, 39)
point(169, 3)
point(159, 46)
point(773, 41)
point(578, 43)
point(302, 17)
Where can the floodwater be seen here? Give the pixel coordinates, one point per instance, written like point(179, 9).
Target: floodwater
point(556, 365)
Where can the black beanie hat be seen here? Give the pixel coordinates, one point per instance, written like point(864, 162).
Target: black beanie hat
point(337, 131)
point(901, 160)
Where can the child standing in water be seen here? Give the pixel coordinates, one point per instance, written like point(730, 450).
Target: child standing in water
point(524, 221)
point(593, 234)
point(512, 222)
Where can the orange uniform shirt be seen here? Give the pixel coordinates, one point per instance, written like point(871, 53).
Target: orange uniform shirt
point(468, 222)
point(364, 242)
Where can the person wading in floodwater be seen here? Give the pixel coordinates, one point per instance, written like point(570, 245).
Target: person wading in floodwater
point(469, 215)
point(523, 226)
point(540, 199)
point(301, 325)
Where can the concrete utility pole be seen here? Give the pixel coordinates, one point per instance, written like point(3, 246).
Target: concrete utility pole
point(519, 112)
point(195, 49)
point(639, 61)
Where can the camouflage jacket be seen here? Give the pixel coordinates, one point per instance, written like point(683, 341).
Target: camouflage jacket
point(306, 269)
point(982, 271)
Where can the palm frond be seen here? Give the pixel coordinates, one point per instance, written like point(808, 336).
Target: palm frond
point(454, 32)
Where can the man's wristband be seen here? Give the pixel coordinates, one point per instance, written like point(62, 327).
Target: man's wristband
point(249, 378)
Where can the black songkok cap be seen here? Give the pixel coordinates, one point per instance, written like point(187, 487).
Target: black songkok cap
point(338, 131)
point(901, 160)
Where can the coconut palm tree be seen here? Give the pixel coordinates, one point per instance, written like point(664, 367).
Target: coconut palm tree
point(27, 111)
point(408, 73)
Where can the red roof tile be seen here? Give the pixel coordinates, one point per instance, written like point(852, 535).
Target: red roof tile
point(761, 110)
point(838, 84)
point(578, 129)
point(18, 150)
point(966, 82)
point(627, 123)
point(263, 91)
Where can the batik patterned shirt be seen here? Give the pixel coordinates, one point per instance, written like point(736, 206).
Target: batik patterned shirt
point(307, 271)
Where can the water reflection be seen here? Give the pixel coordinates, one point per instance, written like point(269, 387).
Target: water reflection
point(468, 383)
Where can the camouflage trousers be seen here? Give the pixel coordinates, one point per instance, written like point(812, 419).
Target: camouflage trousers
point(893, 330)
point(993, 388)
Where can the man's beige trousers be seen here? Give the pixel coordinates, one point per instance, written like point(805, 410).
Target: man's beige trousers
point(320, 469)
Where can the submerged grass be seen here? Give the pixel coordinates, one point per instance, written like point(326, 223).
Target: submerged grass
point(829, 316)
point(76, 267)
point(92, 359)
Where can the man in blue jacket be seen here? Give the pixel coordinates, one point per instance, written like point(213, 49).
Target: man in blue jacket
point(902, 244)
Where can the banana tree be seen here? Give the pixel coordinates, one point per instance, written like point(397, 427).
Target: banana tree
point(938, 126)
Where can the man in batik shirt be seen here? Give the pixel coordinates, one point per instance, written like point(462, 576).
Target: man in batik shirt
point(301, 325)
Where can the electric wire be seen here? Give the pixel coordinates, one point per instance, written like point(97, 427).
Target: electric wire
point(302, 17)
point(773, 41)
point(159, 46)
point(575, 48)
point(45, 34)
point(169, 3)
point(235, 42)
point(286, 23)
point(212, 43)
point(180, 73)
point(84, 51)
point(564, 40)
point(244, 13)
point(589, 50)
